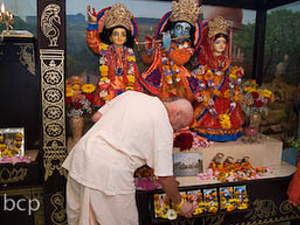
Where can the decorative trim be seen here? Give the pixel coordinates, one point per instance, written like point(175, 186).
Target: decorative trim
point(27, 58)
point(53, 158)
point(262, 209)
point(58, 215)
point(53, 110)
point(11, 175)
point(50, 20)
point(207, 220)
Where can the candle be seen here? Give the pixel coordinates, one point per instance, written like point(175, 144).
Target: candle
point(2, 8)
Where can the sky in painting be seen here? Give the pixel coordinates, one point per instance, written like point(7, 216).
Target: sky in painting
point(139, 8)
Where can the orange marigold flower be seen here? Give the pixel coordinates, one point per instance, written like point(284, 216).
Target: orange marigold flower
point(174, 67)
point(76, 87)
point(209, 75)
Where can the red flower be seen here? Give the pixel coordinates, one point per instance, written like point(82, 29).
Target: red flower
point(77, 105)
point(89, 97)
point(259, 103)
point(255, 94)
point(68, 100)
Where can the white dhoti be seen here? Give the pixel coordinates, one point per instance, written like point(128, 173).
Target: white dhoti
point(87, 206)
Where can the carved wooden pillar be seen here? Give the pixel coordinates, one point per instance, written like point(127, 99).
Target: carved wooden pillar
point(51, 51)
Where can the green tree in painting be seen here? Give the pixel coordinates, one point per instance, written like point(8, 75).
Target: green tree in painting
point(282, 38)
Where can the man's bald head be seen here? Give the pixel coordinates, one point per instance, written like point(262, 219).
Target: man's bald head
point(180, 112)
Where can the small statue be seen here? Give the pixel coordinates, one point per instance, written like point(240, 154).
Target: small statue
point(111, 34)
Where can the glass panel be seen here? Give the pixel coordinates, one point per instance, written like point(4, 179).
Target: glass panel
point(281, 69)
point(24, 13)
point(19, 80)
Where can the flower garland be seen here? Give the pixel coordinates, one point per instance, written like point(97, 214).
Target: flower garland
point(206, 77)
point(109, 55)
point(170, 69)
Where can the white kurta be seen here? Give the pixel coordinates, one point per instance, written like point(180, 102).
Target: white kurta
point(134, 130)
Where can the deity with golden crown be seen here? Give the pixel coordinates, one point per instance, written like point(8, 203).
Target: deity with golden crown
point(178, 34)
point(111, 34)
point(218, 112)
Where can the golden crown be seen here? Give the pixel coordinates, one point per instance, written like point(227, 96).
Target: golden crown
point(217, 26)
point(118, 15)
point(185, 10)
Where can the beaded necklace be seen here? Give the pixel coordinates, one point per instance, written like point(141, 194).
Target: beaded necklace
point(206, 78)
point(170, 69)
point(109, 55)
point(118, 59)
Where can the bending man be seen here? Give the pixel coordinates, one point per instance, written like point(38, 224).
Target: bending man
point(132, 130)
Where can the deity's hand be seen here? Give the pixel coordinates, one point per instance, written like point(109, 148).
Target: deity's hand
point(91, 16)
point(149, 46)
point(167, 40)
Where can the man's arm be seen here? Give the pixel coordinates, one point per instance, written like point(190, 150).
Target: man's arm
point(96, 116)
point(170, 186)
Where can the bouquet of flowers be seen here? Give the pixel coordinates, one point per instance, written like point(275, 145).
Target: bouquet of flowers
point(79, 97)
point(145, 178)
point(256, 99)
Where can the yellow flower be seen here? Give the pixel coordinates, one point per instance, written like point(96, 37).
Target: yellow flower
point(226, 117)
point(103, 70)
point(267, 93)
point(88, 88)
point(233, 76)
point(76, 87)
point(69, 92)
point(103, 79)
point(129, 88)
point(250, 89)
point(131, 59)
point(103, 46)
point(225, 121)
point(131, 78)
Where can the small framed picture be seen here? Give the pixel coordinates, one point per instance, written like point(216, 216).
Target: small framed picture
point(12, 142)
point(241, 197)
point(187, 164)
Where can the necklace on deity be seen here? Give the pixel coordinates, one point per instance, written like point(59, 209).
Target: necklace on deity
point(118, 59)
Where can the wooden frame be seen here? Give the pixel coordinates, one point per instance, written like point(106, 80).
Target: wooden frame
point(51, 54)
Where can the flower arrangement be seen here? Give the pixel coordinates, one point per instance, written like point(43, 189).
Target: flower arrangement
point(145, 179)
point(11, 146)
point(79, 97)
point(230, 170)
point(256, 99)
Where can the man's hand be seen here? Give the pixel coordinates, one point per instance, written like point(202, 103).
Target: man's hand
point(187, 209)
